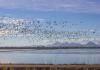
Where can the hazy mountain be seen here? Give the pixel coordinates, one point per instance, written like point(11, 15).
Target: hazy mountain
point(56, 44)
point(66, 44)
point(91, 44)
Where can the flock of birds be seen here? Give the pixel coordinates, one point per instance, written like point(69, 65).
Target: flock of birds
point(35, 30)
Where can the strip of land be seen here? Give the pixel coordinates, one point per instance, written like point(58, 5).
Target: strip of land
point(49, 48)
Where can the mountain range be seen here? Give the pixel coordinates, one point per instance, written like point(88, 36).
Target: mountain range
point(66, 44)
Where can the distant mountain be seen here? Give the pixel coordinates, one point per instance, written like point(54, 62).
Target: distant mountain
point(56, 44)
point(91, 44)
point(75, 44)
point(66, 44)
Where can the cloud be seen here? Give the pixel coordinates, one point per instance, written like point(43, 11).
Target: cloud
point(53, 5)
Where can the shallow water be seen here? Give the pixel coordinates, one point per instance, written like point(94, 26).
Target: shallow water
point(59, 56)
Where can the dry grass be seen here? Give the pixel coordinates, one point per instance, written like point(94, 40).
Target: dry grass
point(48, 67)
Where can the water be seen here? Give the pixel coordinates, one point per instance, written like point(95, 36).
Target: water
point(59, 56)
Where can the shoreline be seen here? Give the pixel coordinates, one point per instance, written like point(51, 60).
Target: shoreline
point(46, 48)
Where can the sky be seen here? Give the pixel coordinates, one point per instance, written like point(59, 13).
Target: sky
point(80, 15)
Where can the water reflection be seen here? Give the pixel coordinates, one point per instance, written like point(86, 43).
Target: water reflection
point(70, 56)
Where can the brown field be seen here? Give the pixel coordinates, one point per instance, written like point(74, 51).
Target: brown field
point(48, 67)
